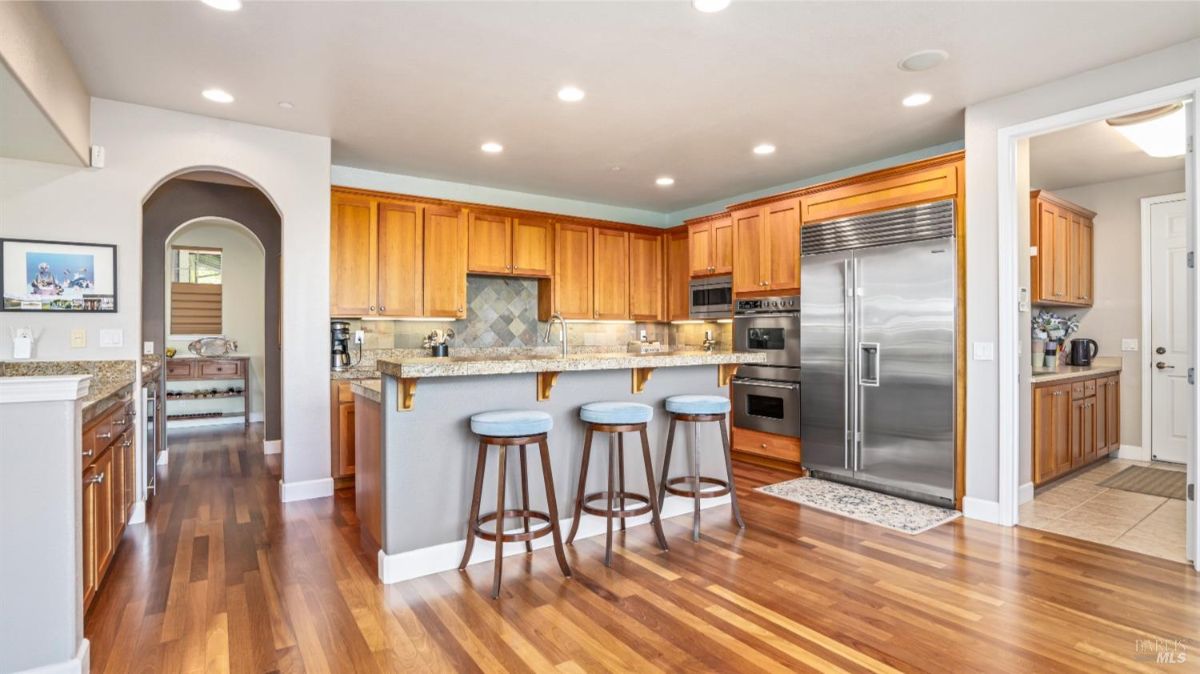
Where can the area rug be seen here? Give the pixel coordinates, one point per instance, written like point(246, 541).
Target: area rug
point(1152, 481)
point(895, 513)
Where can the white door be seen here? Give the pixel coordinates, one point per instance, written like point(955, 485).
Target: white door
point(1170, 393)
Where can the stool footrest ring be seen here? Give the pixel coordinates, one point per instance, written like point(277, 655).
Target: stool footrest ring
point(518, 536)
point(723, 487)
point(641, 508)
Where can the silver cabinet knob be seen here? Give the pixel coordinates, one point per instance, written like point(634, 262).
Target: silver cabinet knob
point(90, 452)
point(96, 479)
point(372, 307)
point(104, 436)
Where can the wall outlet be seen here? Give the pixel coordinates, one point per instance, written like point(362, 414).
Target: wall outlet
point(78, 338)
point(112, 337)
point(1129, 344)
point(22, 343)
point(359, 336)
point(984, 351)
point(641, 335)
point(148, 348)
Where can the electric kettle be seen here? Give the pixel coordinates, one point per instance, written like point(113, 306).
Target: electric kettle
point(1083, 350)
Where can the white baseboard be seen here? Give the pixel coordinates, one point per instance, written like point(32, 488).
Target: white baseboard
point(981, 509)
point(163, 457)
point(446, 556)
point(272, 446)
point(257, 417)
point(1025, 493)
point(206, 421)
point(137, 515)
point(304, 490)
point(1133, 453)
point(80, 664)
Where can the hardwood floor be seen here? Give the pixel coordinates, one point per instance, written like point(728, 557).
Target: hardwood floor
point(224, 577)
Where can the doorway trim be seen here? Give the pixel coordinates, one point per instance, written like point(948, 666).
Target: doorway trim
point(1008, 257)
point(1146, 453)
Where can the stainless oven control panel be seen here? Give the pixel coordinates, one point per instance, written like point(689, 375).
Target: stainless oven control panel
point(768, 305)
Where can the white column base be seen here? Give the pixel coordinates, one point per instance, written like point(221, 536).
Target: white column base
point(437, 558)
point(272, 446)
point(80, 664)
point(1025, 493)
point(981, 509)
point(307, 489)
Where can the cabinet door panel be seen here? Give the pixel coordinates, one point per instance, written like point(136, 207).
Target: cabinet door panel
point(722, 246)
point(783, 244)
point(1082, 272)
point(1060, 252)
point(646, 277)
point(532, 247)
point(1112, 415)
point(1100, 420)
point(103, 476)
point(678, 273)
point(88, 498)
point(489, 243)
point(887, 192)
point(1061, 429)
point(445, 291)
point(345, 466)
point(351, 257)
point(700, 243)
point(573, 271)
point(610, 269)
point(400, 259)
point(749, 273)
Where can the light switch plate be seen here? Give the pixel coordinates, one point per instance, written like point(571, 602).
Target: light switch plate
point(1129, 344)
point(148, 348)
point(984, 351)
point(112, 337)
point(78, 338)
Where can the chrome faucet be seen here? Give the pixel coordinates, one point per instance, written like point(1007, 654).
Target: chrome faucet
point(562, 331)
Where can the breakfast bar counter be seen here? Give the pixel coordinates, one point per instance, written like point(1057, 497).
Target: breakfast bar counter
point(424, 472)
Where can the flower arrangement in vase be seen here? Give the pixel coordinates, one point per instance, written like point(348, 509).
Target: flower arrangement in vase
point(1053, 330)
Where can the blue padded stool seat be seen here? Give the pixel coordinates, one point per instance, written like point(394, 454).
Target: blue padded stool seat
point(698, 404)
point(616, 413)
point(511, 423)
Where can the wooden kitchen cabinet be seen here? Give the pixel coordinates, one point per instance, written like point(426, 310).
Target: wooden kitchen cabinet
point(501, 245)
point(750, 270)
point(533, 246)
point(571, 294)
point(1061, 256)
point(710, 244)
point(399, 259)
point(678, 276)
point(610, 267)
point(766, 445)
point(351, 256)
point(376, 257)
point(341, 422)
point(891, 188)
point(1074, 424)
point(107, 491)
point(445, 262)
point(647, 296)
point(767, 247)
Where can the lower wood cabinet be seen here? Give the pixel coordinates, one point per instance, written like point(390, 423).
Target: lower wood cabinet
point(368, 481)
point(1074, 423)
point(107, 492)
point(780, 448)
point(341, 422)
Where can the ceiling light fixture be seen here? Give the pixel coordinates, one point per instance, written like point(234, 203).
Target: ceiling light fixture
point(923, 60)
point(217, 95)
point(492, 148)
point(224, 5)
point(1161, 132)
point(914, 100)
point(570, 94)
point(286, 105)
point(664, 181)
point(764, 148)
point(710, 6)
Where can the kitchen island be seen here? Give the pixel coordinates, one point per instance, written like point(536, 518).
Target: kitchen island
point(422, 477)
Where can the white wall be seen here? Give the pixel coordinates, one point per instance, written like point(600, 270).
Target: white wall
point(243, 270)
point(983, 122)
point(146, 146)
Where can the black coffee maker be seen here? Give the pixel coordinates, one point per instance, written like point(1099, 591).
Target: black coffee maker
point(339, 350)
point(1083, 350)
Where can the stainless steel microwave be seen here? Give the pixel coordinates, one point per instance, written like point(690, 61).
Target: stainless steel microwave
point(711, 297)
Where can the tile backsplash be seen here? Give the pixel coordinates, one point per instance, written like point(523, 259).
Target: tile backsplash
point(502, 312)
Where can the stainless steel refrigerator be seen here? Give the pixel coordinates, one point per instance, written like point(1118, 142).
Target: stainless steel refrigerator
point(877, 351)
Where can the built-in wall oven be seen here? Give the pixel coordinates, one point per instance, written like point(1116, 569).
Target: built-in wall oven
point(766, 396)
point(711, 298)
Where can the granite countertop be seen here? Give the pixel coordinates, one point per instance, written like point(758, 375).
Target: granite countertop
point(367, 388)
point(1100, 367)
point(461, 366)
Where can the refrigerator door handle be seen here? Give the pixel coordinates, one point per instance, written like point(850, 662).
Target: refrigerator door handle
point(868, 368)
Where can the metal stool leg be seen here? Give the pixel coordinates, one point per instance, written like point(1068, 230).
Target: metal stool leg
point(655, 518)
point(612, 450)
point(621, 473)
point(580, 493)
point(525, 495)
point(733, 498)
point(695, 482)
point(662, 483)
point(552, 508)
point(499, 562)
point(473, 517)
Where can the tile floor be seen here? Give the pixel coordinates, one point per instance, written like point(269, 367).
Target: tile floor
point(1078, 507)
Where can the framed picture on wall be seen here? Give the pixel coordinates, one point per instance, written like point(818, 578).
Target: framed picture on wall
point(58, 276)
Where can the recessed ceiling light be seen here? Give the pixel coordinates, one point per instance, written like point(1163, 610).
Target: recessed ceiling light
point(1161, 132)
point(923, 60)
point(492, 148)
point(919, 98)
point(286, 105)
point(664, 181)
point(217, 95)
point(764, 148)
point(570, 94)
point(224, 5)
point(710, 6)
point(615, 169)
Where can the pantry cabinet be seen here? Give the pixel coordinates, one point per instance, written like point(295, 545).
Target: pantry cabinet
point(1074, 423)
point(767, 247)
point(1061, 251)
point(678, 275)
point(610, 267)
point(710, 244)
point(647, 297)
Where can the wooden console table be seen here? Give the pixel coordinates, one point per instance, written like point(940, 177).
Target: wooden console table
point(224, 368)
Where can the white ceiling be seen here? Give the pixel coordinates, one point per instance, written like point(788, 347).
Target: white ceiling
point(415, 88)
point(1088, 154)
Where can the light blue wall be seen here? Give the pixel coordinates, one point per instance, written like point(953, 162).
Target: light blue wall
point(443, 189)
point(711, 207)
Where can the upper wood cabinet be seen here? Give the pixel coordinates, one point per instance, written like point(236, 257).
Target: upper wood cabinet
point(352, 256)
point(445, 262)
point(489, 243)
point(532, 246)
point(1061, 240)
point(610, 268)
point(399, 259)
point(750, 270)
point(888, 189)
point(572, 284)
point(678, 275)
point(646, 276)
point(767, 247)
point(710, 246)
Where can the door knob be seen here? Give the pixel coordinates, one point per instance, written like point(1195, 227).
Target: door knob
point(1163, 366)
point(1160, 350)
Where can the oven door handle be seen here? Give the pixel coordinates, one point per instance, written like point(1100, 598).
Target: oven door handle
point(792, 314)
point(765, 383)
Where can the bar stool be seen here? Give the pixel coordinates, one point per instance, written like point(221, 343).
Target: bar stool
point(616, 418)
point(698, 409)
point(507, 428)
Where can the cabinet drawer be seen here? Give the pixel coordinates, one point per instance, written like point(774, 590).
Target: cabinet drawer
point(1077, 390)
point(179, 369)
point(779, 447)
point(214, 369)
point(1089, 387)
